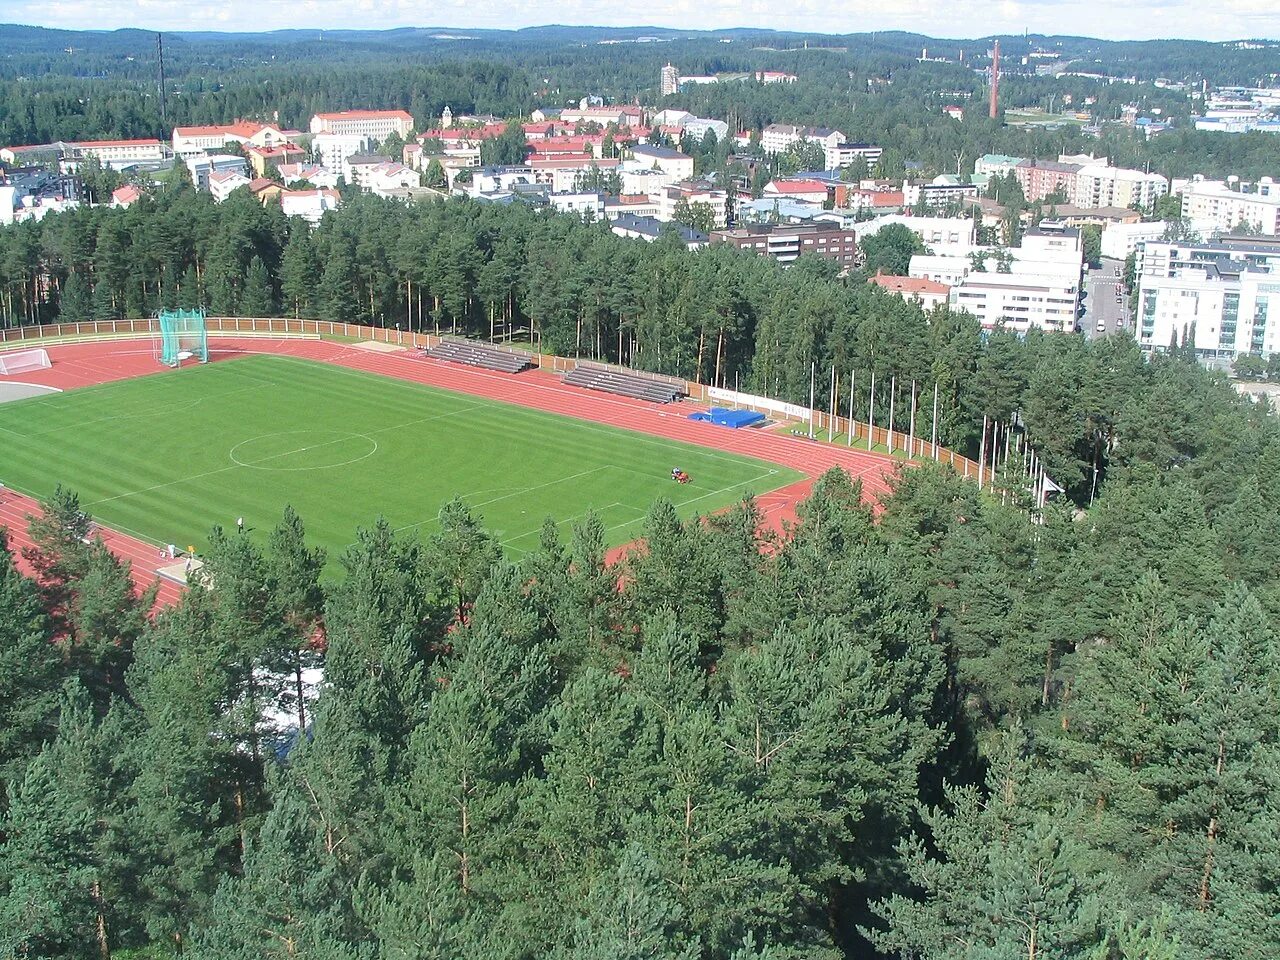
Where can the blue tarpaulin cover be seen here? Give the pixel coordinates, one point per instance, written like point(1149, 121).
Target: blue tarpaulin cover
point(729, 418)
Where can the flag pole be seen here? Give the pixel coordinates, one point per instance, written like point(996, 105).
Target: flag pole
point(893, 402)
point(982, 451)
point(831, 418)
point(911, 433)
point(813, 372)
point(852, 385)
point(871, 412)
point(934, 440)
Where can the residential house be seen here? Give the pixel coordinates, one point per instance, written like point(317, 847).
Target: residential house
point(928, 293)
point(204, 166)
point(310, 205)
point(650, 228)
point(222, 183)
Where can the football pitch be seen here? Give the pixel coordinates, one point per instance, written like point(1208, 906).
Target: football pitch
point(166, 457)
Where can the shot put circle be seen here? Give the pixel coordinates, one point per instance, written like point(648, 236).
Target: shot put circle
point(295, 450)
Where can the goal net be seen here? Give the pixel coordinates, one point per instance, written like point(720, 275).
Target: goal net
point(21, 361)
point(183, 337)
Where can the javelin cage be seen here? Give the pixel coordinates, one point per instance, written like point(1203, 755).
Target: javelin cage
point(183, 336)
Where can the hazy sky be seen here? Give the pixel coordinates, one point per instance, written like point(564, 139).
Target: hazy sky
point(1138, 19)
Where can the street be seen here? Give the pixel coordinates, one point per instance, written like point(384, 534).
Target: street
point(1104, 314)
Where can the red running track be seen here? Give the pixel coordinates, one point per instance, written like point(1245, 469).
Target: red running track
point(86, 364)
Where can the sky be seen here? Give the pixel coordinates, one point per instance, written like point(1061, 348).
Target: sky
point(1134, 20)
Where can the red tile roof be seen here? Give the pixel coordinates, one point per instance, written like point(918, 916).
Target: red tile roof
point(797, 186)
point(909, 284)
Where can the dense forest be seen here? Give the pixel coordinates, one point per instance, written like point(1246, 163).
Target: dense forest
point(951, 729)
point(60, 85)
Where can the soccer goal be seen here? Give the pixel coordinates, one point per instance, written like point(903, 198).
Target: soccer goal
point(183, 336)
point(21, 361)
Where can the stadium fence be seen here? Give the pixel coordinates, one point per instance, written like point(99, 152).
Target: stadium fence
point(819, 421)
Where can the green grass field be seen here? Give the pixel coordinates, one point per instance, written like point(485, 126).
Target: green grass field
point(168, 456)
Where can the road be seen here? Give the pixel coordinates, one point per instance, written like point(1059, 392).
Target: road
point(1103, 313)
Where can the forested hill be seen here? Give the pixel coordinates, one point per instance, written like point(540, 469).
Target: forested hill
point(945, 732)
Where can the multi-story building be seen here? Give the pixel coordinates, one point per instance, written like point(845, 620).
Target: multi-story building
point(1045, 178)
point(845, 154)
point(778, 137)
point(1019, 301)
point(775, 76)
point(669, 199)
point(1222, 298)
point(943, 191)
point(650, 229)
point(589, 206)
point(204, 166)
point(262, 159)
point(192, 141)
point(374, 125)
point(699, 127)
point(786, 243)
point(669, 81)
point(996, 165)
point(671, 162)
point(222, 185)
point(1214, 207)
point(1121, 239)
point(1098, 185)
point(333, 149)
point(118, 154)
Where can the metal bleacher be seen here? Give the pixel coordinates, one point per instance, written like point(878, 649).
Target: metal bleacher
point(592, 377)
point(479, 355)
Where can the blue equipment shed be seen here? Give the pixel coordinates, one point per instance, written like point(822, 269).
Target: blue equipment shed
point(725, 417)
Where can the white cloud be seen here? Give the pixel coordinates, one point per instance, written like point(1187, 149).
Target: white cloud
point(1144, 19)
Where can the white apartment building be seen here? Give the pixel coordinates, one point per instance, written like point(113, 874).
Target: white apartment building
point(117, 154)
point(1213, 207)
point(1019, 301)
point(589, 206)
point(1098, 185)
point(668, 80)
point(374, 125)
point(668, 161)
point(778, 137)
point(638, 180)
point(1121, 239)
point(954, 236)
point(1221, 298)
point(699, 127)
point(334, 149)
point(943, 191)
point(845, 153)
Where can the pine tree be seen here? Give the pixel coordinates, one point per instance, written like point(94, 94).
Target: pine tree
point(76, 304)
point(299, 273)
point(258, 298)
point(31, 665)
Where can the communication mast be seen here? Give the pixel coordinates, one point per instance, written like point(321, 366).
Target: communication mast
point(164, 119)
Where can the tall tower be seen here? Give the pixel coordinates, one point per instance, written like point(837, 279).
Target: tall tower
point(995, 81)
point(670, 80)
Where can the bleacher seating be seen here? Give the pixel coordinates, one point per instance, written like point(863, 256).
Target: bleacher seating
point(593, 377)
point(479, 355)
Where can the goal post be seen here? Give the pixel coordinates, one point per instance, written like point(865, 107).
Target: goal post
point(22, 361)
point(183, 336)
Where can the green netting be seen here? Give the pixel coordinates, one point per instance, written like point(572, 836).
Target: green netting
point(183, 335)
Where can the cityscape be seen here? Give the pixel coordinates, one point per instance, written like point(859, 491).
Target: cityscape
point(638, 492)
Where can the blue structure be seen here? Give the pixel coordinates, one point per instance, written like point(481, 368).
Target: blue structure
point(724, 417)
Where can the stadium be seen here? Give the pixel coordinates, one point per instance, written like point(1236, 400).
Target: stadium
point(168, 427)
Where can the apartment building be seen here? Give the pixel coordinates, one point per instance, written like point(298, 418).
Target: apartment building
point(1098, 185)
point(668, 161)
point(1222, 298)
point(333, 149)
point(668, 80)
point(374, 125)
point(204, 166)
point(1019, 301)
point(786, 243)
point(996, 165)
point(1044, 178)
point(778, 137)
point(118, 154)
point(693, 193)
point(1213, 206)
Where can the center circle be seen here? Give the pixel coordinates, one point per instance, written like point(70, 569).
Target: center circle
point(291, 450)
